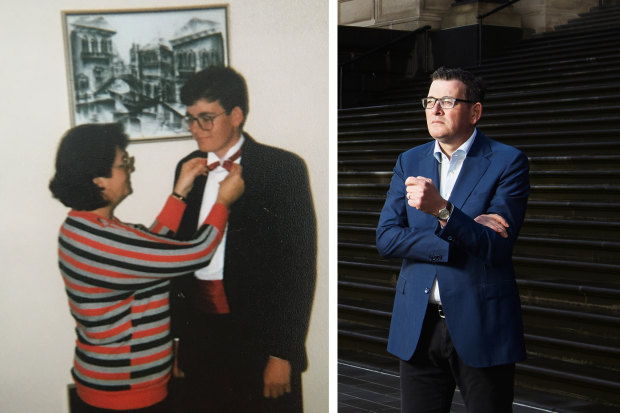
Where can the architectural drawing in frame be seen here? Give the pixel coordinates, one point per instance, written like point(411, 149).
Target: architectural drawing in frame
point(128, 66)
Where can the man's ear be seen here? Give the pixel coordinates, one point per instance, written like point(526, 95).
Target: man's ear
point(476, 113)
point(237, 116)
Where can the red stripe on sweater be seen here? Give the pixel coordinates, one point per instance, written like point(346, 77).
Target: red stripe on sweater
point(153, 357)
point(142, 395)
point(147, 236)
point(114, 222)
point(165, 377)
point(99, 375)
point(150, 305)
point(92, 269)
point(111, 332)
point(100, 310)
point(140, 255)
point(103, 349)
point(85, 289)
point(151, 331)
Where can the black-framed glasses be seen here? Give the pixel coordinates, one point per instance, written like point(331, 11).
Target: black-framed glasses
point(445, 102)
point(128, 163)
point(204, 120)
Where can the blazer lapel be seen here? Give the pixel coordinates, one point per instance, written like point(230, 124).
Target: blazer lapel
point(189, 222)
point(249, 164)
point(426, 165)
point(475, 165)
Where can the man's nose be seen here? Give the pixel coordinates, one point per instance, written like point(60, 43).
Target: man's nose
point(437, 108)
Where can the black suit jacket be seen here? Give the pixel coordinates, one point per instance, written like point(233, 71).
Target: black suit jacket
point(270, 257)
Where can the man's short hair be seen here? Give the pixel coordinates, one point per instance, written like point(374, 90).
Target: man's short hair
point(475, 88)
point(217, 84)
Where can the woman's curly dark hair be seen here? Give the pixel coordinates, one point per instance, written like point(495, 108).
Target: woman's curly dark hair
point(86, 152)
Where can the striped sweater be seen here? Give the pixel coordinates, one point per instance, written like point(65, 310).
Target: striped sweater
point(116, 279)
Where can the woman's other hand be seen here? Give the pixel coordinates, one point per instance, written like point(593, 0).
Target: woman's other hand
point(189, 171)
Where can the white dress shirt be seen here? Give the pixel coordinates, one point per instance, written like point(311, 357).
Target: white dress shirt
point(215, 269)
point(449, 170)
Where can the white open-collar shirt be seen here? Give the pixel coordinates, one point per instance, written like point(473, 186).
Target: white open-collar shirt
point(449, 170)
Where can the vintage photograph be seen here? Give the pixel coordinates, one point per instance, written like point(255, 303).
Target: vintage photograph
point(128, 66)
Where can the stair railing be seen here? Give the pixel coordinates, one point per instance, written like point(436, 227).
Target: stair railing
point(378, 66)
point(483, 16)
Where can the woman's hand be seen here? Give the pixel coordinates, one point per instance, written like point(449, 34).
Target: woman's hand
point(232, 187)
point(189, 171)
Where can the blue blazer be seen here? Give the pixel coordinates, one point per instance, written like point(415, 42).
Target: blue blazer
point(472, 263)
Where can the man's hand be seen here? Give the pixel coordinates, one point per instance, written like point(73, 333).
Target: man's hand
point(496, 222)
point(423, 195)
point(277, 378)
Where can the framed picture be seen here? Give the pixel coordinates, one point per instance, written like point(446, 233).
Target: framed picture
point(128, 66)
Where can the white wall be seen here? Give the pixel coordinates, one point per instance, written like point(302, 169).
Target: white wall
point(281, 46)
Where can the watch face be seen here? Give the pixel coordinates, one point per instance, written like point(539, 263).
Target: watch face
point(444, 213)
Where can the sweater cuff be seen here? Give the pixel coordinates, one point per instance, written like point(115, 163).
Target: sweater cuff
point(218, 217)
point(172, 213)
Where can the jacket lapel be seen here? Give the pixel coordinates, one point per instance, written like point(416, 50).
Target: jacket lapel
point(475, 165)
point(426, 165)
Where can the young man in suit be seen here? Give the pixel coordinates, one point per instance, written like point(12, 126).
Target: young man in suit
point(453, 212)
point(243, 320)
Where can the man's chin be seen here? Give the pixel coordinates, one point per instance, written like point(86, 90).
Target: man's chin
point(204, 144)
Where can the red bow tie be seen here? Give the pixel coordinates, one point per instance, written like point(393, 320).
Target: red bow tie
point(227, 164)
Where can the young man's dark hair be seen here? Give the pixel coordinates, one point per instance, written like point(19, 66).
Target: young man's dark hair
point(217, 84)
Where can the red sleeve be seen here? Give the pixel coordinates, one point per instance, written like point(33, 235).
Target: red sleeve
point(170, 215)
point(218, 216)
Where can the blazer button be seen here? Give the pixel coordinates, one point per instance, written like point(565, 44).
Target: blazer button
point(427, 290)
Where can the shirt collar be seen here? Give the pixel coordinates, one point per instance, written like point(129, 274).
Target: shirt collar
point(463, 149)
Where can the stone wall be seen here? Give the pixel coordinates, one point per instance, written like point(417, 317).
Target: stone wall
point(535, 15)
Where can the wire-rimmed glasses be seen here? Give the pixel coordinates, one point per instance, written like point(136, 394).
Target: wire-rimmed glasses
point(204, 120)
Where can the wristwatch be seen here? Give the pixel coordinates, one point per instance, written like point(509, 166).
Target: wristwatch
point(444, 213)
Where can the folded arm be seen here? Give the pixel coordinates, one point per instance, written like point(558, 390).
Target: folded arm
point(408, 218)
point(483, 235)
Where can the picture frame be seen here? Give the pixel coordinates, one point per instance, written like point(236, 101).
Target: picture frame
point(128, 66)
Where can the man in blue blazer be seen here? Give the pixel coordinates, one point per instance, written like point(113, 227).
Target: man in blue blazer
point(453, 212)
